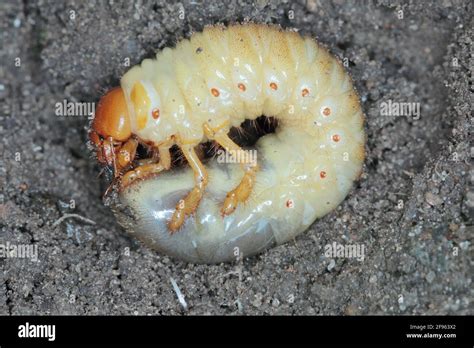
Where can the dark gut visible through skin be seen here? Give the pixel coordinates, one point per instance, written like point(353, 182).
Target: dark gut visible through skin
point(246, 136)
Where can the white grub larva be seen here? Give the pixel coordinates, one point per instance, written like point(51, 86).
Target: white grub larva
point(196, 92)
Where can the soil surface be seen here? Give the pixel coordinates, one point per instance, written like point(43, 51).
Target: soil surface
point(412, 209)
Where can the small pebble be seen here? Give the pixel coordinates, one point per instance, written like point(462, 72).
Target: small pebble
point(311, 5)
point(470, 199)
point(430, 277)
point(275, 302)
point(331, 265)
point(258, 300)
point(433, 199)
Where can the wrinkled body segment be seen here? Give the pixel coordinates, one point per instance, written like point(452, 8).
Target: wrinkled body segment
point(196, 92)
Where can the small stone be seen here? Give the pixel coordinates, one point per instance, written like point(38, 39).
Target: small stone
point(257, 302)
point(446, 3)
point(275, 302)
point(453, 227)
point(470, 199)
point(373, 279)
point(346, 217)
point(331, 265)
point(430, 276)
point(63, 206)
point(3, 92)
point(311, 5)
point(351, 310)
point(69, 230)
point(464, 245)
point(433, 199)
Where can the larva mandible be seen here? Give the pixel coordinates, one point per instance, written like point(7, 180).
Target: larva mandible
point(196, 92)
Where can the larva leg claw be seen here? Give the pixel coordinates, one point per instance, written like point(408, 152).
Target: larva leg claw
point(241, 193)
point(189, 205)
point(126, 154)
point(146, 170)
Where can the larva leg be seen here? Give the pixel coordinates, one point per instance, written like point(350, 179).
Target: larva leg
point(149, 169)
point(126, 154)
point(189, 205)
point(242, 192)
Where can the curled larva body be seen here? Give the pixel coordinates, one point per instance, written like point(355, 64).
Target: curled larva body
point(195, 93)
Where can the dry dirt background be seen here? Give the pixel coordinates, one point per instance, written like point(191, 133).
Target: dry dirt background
point(418, 253)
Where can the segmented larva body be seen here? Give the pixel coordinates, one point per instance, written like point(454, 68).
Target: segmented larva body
point(214, 81)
